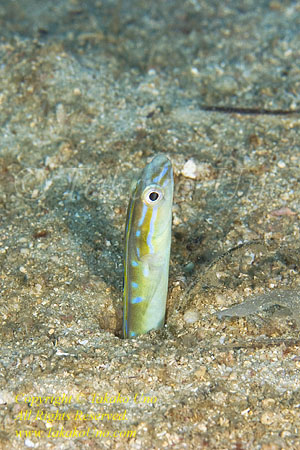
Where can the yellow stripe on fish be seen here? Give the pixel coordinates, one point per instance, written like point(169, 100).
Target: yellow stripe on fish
point(147, 249)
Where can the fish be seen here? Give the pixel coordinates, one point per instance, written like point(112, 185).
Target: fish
point(147, 249)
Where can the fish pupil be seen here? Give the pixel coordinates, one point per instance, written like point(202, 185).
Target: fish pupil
point(153, 196)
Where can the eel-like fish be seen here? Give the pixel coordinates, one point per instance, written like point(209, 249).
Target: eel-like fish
point(147, 249)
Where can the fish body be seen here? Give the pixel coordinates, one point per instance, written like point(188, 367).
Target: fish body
point(147, 249)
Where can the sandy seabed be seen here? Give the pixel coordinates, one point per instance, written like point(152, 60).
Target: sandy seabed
point(89, 93)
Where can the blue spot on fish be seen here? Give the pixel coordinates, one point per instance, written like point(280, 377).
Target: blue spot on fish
point(143, 215)
point(137, 300)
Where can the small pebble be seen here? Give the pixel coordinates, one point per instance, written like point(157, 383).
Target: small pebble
point(195, 71)
point(267, 418)
point(190, 169)
point(268, 403)
point(29, 443)
point(202, 427)
point(191, 316)
point(226, 84)
point(281, 164)
point(284, 211)
point(6, 397)
point(189, 267)
point(200, 373)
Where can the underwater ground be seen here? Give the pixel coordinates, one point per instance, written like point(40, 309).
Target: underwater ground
point(89, 93)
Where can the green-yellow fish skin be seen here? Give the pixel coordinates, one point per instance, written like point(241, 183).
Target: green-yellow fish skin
point(147, 249)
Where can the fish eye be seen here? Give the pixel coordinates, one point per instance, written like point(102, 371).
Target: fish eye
point(152, 195)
